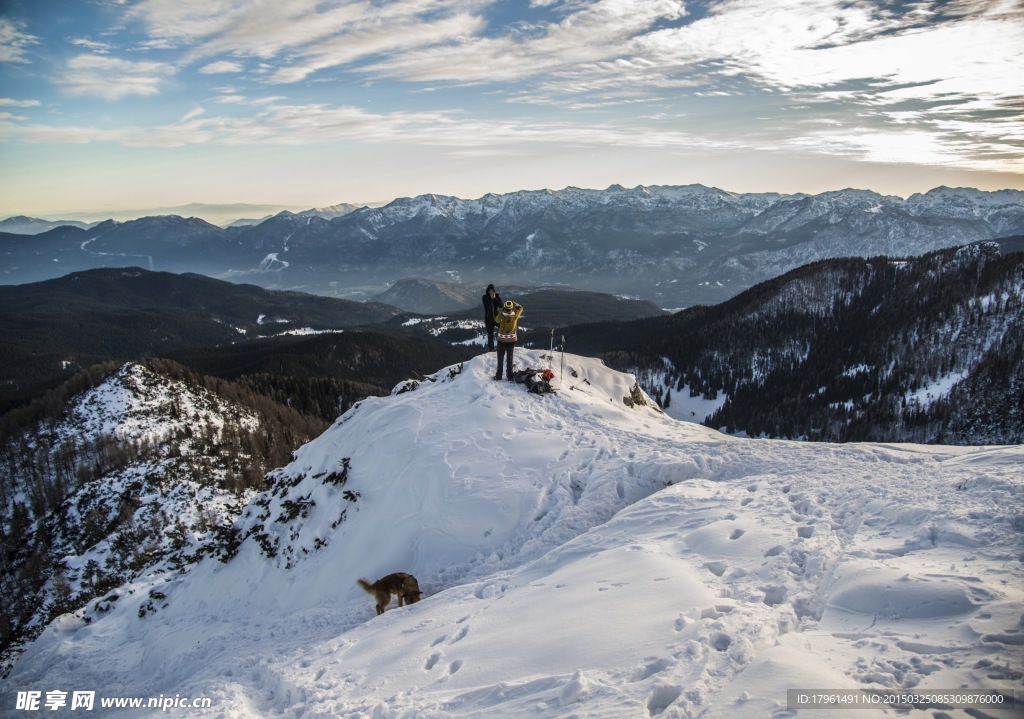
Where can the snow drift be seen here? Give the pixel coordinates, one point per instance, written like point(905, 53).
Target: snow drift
point(581, 554)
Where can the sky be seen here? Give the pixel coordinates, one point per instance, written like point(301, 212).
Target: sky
point(121, 104)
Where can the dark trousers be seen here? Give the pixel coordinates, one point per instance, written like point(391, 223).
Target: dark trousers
point(505, 349)
point(491, 329)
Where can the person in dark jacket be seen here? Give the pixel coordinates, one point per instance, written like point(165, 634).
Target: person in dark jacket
point(508, 321)
point(492, 306)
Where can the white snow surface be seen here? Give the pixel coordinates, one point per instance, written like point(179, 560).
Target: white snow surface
point(579, 558)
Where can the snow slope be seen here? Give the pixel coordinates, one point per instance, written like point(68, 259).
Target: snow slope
point(140, 456)
point(579, 557)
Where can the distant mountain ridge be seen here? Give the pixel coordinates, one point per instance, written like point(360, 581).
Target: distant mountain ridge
point(58, 326)
point(55, 327)
point(677, 246)
point(22, 225)
point(415, 294)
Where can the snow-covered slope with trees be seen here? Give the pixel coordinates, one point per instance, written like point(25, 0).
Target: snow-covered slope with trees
point(138, 475)
point(581, 554)
point(925, 349)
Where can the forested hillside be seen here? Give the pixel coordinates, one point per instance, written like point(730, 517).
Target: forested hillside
point(123, 468)
point(924, 349)
point(55, 328)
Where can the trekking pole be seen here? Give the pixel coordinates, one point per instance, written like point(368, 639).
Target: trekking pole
point(561, 367)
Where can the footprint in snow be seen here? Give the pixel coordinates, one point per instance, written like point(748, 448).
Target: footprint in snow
point(721, 641)
point(661, 697)
point(717, 567)
point(650, 667)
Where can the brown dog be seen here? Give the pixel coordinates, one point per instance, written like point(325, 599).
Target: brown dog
point(402, 585)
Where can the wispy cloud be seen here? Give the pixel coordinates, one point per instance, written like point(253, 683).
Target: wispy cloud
point(928, 48)
point(297, 124)
point(94, 46)
point(113, 78)
point(221, 67)
point(10, 102)
point(913, 147)
point(368, 40)
point(14, 41)
point(591, 34)
point(302, 36)
point(192, 114)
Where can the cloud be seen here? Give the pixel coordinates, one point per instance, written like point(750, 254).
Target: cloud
point(914, 147)
point(853, 78)
point(14, 41)
point(221, 66)
point(276, 121)
point(611, 47)
point(298, 124)
point(589, 35)
point(411, 40)
point(10, 102)
point(113, 78)
point(819, 44)
point(301, 36)
point(367, 41)
point(100, 48)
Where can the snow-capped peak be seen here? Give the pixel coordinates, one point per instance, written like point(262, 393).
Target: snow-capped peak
point(139, 404)
point(579, 553)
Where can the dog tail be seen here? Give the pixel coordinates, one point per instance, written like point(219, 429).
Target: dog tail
point(367, 587)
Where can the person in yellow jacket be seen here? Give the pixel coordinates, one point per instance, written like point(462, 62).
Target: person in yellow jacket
point(507, 320)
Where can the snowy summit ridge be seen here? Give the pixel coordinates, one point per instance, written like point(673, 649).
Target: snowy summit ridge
point(580, 554)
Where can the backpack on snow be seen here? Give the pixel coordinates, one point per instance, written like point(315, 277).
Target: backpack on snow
point(536, 380)
point(521, 375)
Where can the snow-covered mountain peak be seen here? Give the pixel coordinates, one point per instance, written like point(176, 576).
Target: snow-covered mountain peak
point(579, 553)
point(999, 209)
point(136, 403)
point(457, 442)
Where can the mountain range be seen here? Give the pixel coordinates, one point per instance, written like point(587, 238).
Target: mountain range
point(677, 246)
point(22, 225)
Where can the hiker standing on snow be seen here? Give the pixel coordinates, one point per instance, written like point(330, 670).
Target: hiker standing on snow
point(507, 320)
point(492, 306)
